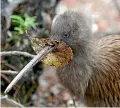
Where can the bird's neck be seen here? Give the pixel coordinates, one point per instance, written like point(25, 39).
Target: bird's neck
point(82, 51)
point(77, 69)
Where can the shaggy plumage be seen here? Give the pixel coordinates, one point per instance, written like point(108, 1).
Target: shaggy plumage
point(94, 73)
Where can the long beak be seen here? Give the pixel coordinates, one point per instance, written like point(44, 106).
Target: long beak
point(34, 61)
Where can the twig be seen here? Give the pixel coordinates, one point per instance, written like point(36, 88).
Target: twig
point(16, 92)
point(9, 65)
point(4, 97)
point(35, 60)
point(9, 72)
point(9, 53)
point(6, 78)
point(6, 102)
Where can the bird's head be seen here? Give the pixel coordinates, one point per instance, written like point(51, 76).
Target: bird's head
point(71, 28)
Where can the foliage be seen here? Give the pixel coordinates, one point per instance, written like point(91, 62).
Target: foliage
point(21, 24)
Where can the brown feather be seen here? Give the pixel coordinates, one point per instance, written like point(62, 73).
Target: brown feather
point(105, 81)
point(94, 73)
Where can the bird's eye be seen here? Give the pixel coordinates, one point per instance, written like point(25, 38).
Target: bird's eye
point(66, 35)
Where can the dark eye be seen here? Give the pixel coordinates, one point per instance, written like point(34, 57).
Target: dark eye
point(65, 35)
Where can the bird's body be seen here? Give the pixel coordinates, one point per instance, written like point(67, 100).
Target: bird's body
point(97, 78)
point(94, 73)
point(104, 85)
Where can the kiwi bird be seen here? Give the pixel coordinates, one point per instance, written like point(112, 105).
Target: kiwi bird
point(94, 73)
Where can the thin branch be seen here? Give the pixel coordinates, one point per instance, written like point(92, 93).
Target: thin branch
point(6, 102)
point(5, 77)
point(9, 72)
point(35, 60)
point(9, 53)
point(4, 97)
point(9, 65)
point(8, 80)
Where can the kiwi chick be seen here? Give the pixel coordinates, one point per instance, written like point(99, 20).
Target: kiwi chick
point(94, 73)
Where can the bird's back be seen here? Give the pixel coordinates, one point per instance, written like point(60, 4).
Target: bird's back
point(104, 85)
